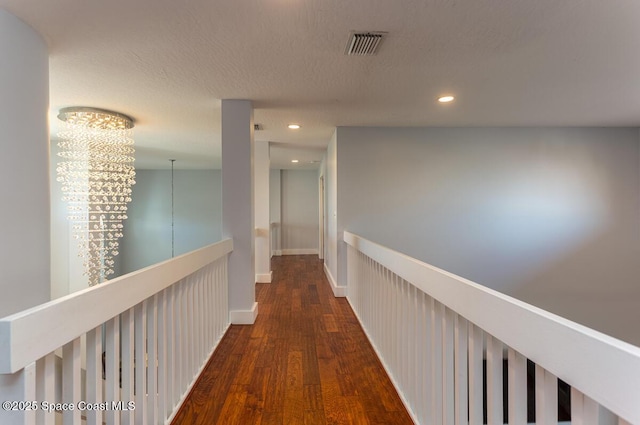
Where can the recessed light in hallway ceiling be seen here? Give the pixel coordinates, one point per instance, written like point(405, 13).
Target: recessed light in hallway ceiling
point(295, 161)
point(446, 99)
point(294, 126)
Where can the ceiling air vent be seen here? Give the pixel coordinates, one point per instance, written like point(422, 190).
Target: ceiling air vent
point(364, 43)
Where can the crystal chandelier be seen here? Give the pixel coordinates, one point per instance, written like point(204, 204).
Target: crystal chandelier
point(96, 173)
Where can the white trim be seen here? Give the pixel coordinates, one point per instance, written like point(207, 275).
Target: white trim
point(49, 324)
point(264, 277)
point(338, 291)
point(602, 367)
point(244, 317)
point(307, 251)
point(276, 253)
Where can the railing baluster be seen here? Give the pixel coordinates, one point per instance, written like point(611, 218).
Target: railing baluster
point(112, 368)
point(71, 375)
point(584, 410)
point(30, 390)
point(430, 348)
point(448, 357)
point(162, 356)
point(476, 356)
point(417, 347)
point(171, 354)
point(127, 363)
point(411, 340)
point(517, 388)
point(397, 336)
point(461, 375)
point(577, 408)
point(152, 358)
point(140, 363)
point(46, 381)
point(438, 375)
point(494, 381)
point(546, 397)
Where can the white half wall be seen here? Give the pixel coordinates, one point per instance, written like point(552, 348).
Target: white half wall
point(299, 206)
point(548, 215)
point(24, 106)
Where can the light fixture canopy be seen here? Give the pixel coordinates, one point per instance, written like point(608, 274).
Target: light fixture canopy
point(294, 126)
point(96, 173)
point(446, 99)
point(96, 118)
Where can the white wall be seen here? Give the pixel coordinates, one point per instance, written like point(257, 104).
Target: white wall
point(330, 165)
point(24, 106)
point(274, 212)
point(551, 216)
point(299, 208)
point(197, 216)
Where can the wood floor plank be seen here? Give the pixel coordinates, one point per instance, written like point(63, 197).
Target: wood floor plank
point(306, 360)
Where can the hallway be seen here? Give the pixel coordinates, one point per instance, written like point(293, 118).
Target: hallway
point(305, 361)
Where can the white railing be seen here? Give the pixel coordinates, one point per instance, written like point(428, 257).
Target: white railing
point(437, 333)
point(123, 352)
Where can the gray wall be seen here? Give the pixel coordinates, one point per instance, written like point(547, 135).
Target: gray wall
point(197, 212)
point(551, 216)
point(299, 209)
point(24, 107)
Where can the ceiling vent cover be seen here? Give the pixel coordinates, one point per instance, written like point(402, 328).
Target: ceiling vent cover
point(364, 43)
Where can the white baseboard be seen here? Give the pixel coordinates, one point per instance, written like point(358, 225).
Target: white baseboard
point(264, 277)
point(244, 317)
point(276, 253)
point(338, 291)
point(300, 252)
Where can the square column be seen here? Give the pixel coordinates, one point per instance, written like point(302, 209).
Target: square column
point(238, 207)
point(263, 229)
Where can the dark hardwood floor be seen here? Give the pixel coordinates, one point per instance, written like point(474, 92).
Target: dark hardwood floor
point(305, 361)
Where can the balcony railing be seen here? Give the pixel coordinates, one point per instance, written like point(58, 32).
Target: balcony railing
point(123, 352)
point(446, 343)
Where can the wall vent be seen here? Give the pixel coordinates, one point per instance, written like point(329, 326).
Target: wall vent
point(364, 43)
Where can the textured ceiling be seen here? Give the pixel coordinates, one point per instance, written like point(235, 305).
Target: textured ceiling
point(168, 63)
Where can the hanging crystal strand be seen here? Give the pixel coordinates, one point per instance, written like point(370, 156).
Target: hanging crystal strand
point(96, 174)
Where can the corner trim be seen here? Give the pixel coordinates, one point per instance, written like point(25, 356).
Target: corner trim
point(338, 291)
point(244, 317)
point(264, 277)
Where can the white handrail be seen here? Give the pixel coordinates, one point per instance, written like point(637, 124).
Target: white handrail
point(601, 367)
point(31, 334)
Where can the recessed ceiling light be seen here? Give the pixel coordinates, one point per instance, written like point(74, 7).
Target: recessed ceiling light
point(295, 161)
point(294, 126)
point(445, 99)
